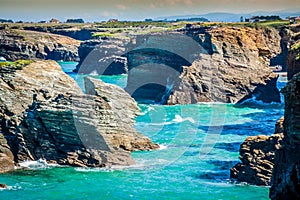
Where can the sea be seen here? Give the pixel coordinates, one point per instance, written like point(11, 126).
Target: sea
point(198, 145)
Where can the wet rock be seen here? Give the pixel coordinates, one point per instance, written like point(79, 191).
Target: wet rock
point(44, 114)
point(286, 173)
point(257, 158)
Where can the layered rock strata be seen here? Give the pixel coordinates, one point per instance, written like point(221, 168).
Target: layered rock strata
point(229, 65)
point(22, 44)
point(257, 158)
point(44, 114)
point(285, 182)
point(103, 56)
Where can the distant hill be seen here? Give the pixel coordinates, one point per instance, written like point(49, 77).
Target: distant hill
point(230, 17)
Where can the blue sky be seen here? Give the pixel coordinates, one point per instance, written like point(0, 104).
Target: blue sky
point(97, 10)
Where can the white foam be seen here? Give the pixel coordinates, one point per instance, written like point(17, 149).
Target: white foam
point(179, 119)
point(16, 187)
point(253, 100)
point(150, 108)
point(38, 164)
point(162, 147)
point(87, 169)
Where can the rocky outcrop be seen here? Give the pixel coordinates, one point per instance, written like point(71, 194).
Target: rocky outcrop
point(286, 173)
point(21, 44)
point(229, 65)
point(257, 158)
point(103, 56)
point(6, 156)
point(44, 114)
point(293, 57)
point(293, 61)
point(122, 104)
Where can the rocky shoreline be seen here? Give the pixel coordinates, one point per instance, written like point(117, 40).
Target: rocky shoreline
point(257, 154)
point(190, 65)
point(44, 114)
point(274, 160)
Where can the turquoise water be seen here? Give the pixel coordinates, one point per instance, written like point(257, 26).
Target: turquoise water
point(199, 144)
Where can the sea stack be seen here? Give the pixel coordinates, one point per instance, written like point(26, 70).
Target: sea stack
point(44, 114)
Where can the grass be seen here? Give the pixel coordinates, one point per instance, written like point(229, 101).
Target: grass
point(97, 35)
point(296, 48)
point(19, 64)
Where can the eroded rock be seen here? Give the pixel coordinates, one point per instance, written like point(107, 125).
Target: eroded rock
point(257, 158)
point(286, 173)
point(23, 44)
point(44, 114)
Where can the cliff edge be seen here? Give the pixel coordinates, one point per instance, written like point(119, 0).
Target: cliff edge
point(285, 182)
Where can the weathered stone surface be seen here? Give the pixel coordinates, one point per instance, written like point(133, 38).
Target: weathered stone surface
point(257, 156)
point(122, 104)
point(231, 65)
point(22, 44)
point(293, 59)
point(103, 56)
point(286, 173)
point(70, 130)
point(6, 156)
point(44, 114)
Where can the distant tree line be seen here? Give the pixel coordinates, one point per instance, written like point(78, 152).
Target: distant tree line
point(6, 21)
point(195, 19)
point(74, 21)
point(263, 18)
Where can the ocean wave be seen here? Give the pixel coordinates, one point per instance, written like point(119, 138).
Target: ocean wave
point(179, 119)
point(150, 108)
point(176, 120)
point(254, 102)
point(8, 187)
point(162, 147)
point(38, 164)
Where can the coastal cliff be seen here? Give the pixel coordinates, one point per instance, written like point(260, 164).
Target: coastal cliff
point(257, 154)
point(103, 56)
point(231, 64)
point(24, 44)
point(44, 114)
point(286, 172)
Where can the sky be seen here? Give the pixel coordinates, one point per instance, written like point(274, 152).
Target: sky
point(98, 10)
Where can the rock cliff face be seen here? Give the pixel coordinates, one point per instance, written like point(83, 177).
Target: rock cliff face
point(257, 155)
point(286, 173)
point(44, 114)
point(293, 58)
point(21, 44)
point(103, 56)
point(121, 104)
point(65, 30)
point(230, 65)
